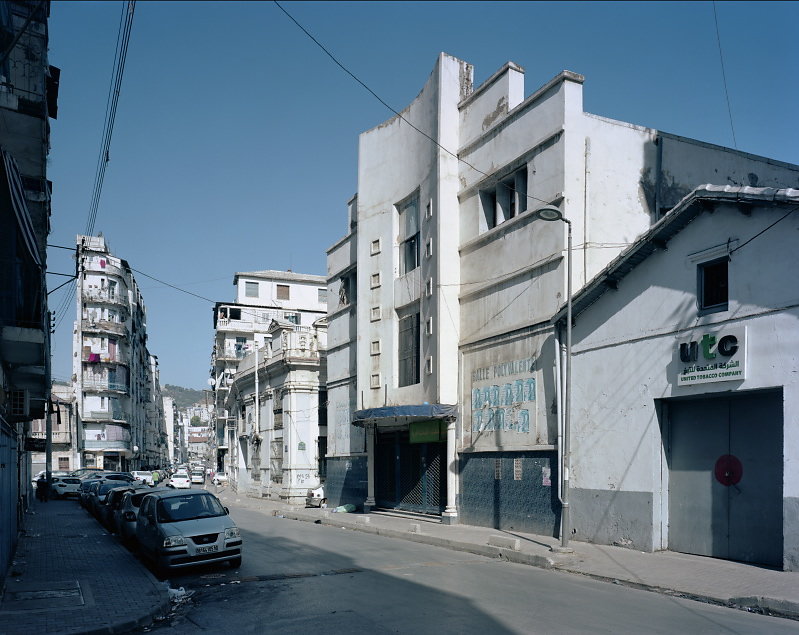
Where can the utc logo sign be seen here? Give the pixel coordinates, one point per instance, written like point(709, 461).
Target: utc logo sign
point(719, 356)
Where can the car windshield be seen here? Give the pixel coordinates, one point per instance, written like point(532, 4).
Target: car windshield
point(189, 507)
point(106, 487)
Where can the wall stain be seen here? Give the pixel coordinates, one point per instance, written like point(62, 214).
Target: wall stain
point(501, 109)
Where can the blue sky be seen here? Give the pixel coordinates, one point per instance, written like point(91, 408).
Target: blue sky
point(235, 144)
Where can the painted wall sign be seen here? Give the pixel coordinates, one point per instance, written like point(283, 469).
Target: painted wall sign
point(712, 356)
point(504, 396)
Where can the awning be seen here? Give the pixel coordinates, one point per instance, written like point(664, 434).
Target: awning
point(15, 197)
point(405, 414)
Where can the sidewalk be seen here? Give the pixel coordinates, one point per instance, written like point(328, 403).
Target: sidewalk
point(723, 582)
point(69, 575)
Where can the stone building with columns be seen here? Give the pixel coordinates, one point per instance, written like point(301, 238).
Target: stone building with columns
point(445, 373)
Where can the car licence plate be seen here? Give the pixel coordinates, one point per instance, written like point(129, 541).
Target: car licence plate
point(208, 549)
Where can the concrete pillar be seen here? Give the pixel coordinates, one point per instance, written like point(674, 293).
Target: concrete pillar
point(369, 504)
point(450, 515)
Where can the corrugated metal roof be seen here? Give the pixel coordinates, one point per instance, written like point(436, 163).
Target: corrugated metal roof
point(658, 236)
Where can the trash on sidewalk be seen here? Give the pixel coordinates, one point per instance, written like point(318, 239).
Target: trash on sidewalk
point(343, 509)
point(179, 595)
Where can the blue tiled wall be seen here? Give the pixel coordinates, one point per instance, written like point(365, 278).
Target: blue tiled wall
point(527, 505)
point(346, 481)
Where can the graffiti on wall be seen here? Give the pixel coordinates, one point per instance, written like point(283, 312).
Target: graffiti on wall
point(503, 397)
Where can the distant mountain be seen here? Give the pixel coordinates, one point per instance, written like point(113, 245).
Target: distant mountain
point(183, 397)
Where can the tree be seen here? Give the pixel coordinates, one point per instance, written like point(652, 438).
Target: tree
point(195, 422)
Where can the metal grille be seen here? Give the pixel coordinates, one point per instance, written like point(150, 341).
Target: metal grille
point(409, 476)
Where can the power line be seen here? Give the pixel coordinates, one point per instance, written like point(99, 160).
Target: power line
point(396, 112)
point(120, 56)
point(779, 220)
point(724, 75)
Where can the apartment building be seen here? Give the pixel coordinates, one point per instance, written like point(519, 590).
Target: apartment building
point(117, 383)
point(279, 316)
point(28, 99)
point(446, 371)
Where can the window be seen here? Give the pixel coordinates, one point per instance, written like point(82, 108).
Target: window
point(283, 292)
point(375, 280)
point(294, 318)
point(428, 248)
point(428, 287)
point(374, 315)
point(408, 352)
point(429, 210)
point(235, 314)
point(713, 292)
point(375, 381)
point(322, 295)
point(428, 326)
point(428, 366)
point(374, 348)
point(374, 249)
point(251, 289)
point(63, 463)
point(346, 291)
point(505, 200)
point(409, 234)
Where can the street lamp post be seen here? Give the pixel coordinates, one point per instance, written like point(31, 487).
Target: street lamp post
point(549, 213)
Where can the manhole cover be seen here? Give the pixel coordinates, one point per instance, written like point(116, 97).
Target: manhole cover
point(46, 595)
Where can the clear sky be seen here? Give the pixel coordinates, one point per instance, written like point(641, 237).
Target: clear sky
point(235, 144)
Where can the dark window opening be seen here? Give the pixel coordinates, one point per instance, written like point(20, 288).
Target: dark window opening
point(409, 235)
point(713, 289)
point(409, 350)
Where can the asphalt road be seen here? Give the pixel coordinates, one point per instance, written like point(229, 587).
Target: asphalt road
point(299, 577)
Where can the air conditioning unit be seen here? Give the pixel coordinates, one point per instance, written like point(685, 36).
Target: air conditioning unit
point(19, 403)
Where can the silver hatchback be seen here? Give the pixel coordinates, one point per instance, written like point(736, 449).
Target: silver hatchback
point(179, 529)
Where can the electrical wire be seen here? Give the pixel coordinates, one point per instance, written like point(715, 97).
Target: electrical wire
point(760, 233)
point(395, 111)
point(724, 75)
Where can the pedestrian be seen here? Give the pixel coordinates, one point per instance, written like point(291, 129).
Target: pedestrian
point(42, 488)
point(156, 477)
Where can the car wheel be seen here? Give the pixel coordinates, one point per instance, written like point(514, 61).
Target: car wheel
point(235, 563)
point(322, 503)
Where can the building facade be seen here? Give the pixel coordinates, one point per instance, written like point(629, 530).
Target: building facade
point(64, 432)
point(688, 442)
point(28, 99)
point(445, 369)
point(117, 383)
point(279, 317)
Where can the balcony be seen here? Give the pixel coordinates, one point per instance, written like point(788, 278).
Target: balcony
point(101, 415)
point(104, 326)
point(102, 295)
point(230, 354)
point(103, 384)
point(226, 324)
point(103, 358)
point(57, 436)
point(107, 445)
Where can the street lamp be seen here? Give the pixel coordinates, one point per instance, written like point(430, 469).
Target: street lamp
point(549, 213)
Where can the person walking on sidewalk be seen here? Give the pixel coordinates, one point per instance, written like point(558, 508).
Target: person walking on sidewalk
point(42, 489)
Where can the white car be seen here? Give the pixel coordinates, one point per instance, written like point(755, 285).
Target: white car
point(198, 476)
point(180, 480)
point(144, 477)
point(316, 497)
point(220, 478)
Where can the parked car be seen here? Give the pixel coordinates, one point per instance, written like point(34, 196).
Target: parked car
point(180, 480)
point(179, 529)
point(99, 493)
point(220, 478)
point(316, 497)
point(105, 510)
point(83, 472)
point(198, 476)
point(85, 488)
point(65, 487)
point(127, 511)
point(144, 477)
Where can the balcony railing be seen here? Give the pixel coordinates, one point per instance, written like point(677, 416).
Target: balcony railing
point(105, 358)
point(231, 354)
point(106, 445)
point(226, 324)
point(104, 326)
point(102, 295)
point(102, 384)
point(58, 437)
point(100, 415)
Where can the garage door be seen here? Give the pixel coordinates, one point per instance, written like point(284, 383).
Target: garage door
point(725, 477)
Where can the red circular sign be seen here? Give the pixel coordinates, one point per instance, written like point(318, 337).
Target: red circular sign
point(729, 470)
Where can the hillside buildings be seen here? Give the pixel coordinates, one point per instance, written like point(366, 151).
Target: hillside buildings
point(28, 99)
point(116, 378)
point(447, 351)
point(268, 375)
